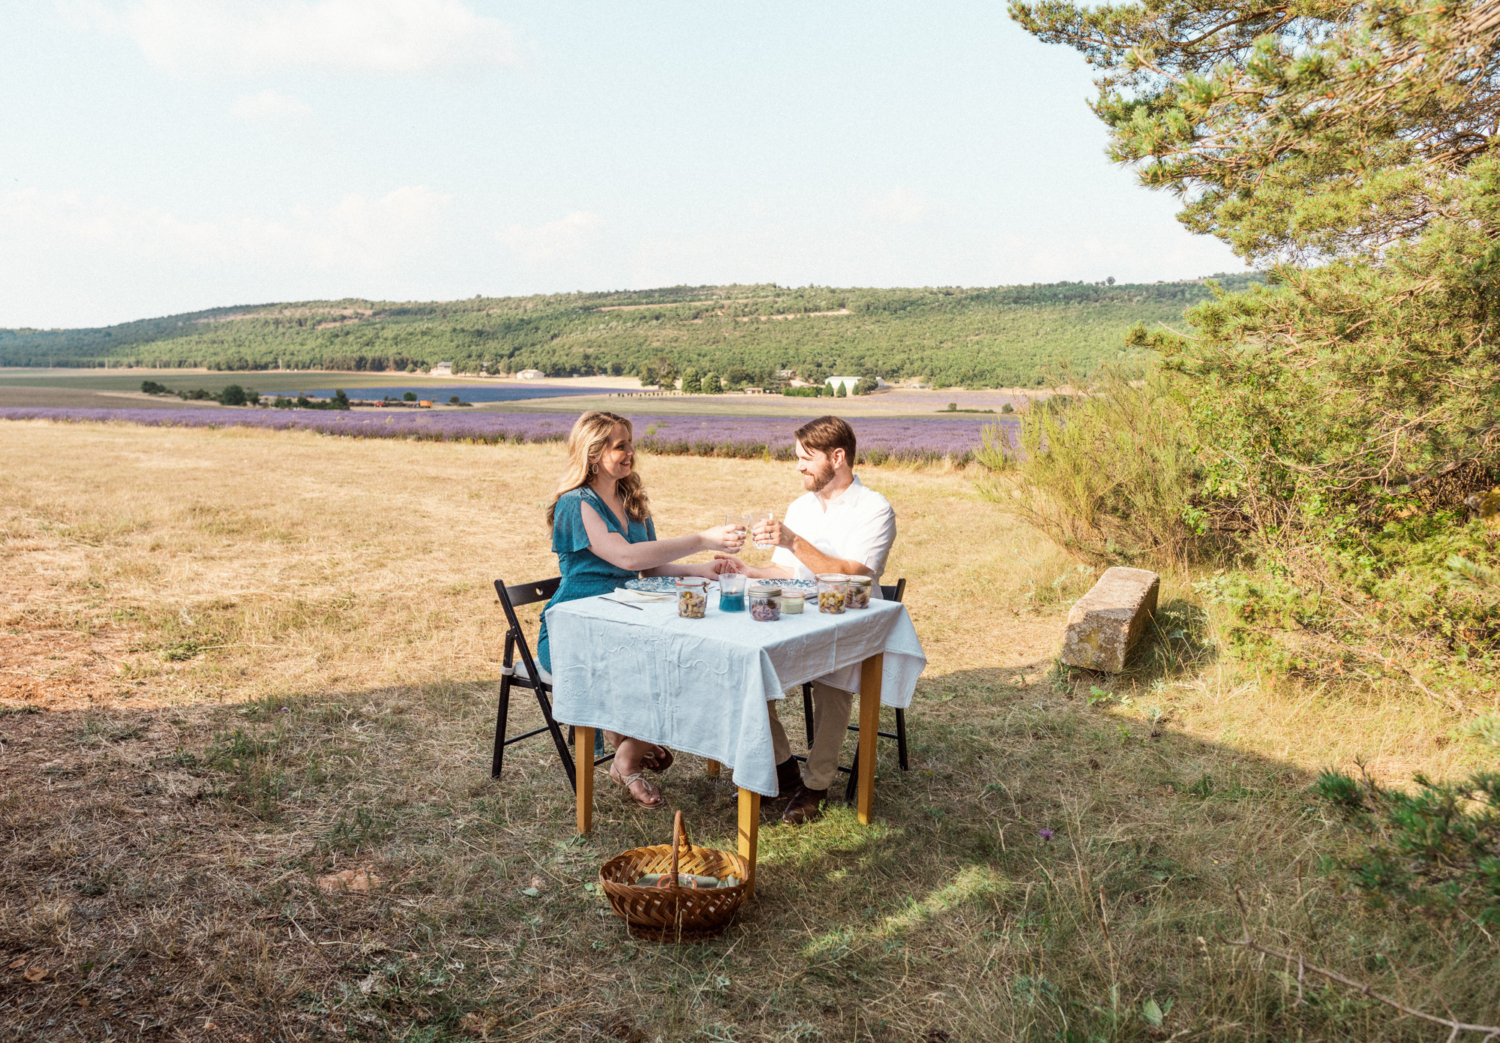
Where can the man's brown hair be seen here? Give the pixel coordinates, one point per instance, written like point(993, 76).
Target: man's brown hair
point(826, 434)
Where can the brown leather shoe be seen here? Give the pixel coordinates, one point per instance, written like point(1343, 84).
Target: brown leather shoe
point(788, 777)
point(805, 806)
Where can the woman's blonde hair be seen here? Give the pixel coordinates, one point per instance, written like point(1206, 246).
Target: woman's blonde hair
point(586, 443)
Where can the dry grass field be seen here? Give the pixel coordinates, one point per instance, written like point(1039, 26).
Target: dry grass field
point(235, 662)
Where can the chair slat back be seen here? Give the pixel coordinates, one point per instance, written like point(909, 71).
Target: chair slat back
point(893, 593)
point(531, 593)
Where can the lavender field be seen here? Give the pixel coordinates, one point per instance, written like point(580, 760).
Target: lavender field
point(880, 439)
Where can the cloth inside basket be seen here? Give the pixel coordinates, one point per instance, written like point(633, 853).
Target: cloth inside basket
point(690, 880)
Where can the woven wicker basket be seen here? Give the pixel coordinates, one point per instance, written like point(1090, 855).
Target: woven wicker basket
point(673, 913)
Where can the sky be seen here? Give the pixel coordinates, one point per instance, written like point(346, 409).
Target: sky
point(161, 156)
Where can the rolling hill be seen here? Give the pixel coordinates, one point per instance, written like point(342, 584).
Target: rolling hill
point(1009, 336)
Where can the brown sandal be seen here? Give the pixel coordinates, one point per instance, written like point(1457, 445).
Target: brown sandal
point(658, 760)
point(626, 781)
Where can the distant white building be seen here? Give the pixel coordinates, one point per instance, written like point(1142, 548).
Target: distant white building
point(443, 369)
point(530, 374)
point(847, 382)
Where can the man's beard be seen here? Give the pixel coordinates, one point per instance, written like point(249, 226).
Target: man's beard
point(821, 477)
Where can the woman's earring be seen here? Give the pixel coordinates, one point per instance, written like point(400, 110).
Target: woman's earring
point(593, 468)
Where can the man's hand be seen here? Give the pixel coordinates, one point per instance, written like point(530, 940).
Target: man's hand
point(723, 563)
point(774, 534)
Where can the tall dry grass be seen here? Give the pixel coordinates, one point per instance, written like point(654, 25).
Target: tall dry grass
point(275, 657)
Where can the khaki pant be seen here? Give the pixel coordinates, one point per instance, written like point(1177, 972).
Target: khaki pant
point(831, 709)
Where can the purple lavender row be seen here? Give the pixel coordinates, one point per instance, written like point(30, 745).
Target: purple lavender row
point(880, 438)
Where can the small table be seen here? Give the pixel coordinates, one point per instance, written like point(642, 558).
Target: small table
point(701, 685)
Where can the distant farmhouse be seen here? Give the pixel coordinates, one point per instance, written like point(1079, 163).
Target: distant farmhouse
point(443, 369)
point(847, 383)
point(530, 374)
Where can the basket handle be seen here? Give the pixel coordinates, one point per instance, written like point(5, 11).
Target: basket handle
point(679, 833)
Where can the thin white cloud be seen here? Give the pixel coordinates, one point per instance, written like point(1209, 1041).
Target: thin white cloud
point(359, 232)
point(248, 37)
point(566, 239)
point(270, 106)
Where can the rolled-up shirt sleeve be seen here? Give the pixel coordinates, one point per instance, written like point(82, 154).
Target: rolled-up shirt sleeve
point(869, 543)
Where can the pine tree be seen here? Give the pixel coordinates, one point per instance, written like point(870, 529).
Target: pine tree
point(1351, 150)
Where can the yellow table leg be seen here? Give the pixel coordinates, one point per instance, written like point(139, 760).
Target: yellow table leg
point(583, 766)
point(711, 768)
point(869, 727)
point(749, 833)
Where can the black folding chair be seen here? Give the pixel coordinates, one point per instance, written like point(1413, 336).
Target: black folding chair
point(890, 593)
point(528, 674)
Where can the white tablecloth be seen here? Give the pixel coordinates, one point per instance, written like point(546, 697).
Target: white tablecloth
point(702, 685)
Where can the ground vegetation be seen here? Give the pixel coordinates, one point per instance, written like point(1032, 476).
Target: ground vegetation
point(247, 796)
point(1328, 438)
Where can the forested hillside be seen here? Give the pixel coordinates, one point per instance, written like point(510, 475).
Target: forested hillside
point(997, 337)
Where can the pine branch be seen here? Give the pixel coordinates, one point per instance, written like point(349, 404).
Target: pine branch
point(1492, 1032)
point(1452, 1024)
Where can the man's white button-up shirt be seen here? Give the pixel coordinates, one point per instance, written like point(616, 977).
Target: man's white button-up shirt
point(858, 525)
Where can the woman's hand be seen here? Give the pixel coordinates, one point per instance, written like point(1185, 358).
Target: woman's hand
point(722, 564)
point(726, 538)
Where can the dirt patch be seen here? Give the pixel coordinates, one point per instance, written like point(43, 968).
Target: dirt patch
point(65, 670)
point(78, 398)
point(796, 315)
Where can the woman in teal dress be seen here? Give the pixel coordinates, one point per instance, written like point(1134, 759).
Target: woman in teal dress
point(603, 535)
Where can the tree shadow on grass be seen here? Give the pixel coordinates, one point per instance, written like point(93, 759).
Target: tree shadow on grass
point(1040, 873)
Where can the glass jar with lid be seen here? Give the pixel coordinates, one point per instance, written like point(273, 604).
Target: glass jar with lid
point(692, 597)
point(833, 592)
point(765, 602)
point(792, 602)
point(859, 592)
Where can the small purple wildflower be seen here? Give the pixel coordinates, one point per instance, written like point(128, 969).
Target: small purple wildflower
point(1045, 834)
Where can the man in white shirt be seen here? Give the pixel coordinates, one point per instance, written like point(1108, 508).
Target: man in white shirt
point(838, 525)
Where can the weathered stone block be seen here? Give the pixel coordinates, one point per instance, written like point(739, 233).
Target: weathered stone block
point(1107, 621)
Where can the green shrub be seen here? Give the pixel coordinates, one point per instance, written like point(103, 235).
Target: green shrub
point(1435, 851)
point(410, 396)
point(151, 387)
point(1111, 476)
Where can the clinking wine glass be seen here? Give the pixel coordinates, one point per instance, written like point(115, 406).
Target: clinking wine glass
point(754, 518)
point(739, 521)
